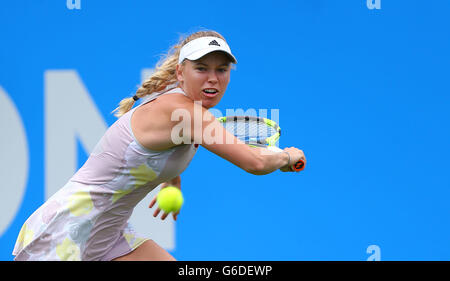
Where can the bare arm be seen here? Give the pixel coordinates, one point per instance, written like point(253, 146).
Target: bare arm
point(272, 161)
point(176, 181)
point(213, 136)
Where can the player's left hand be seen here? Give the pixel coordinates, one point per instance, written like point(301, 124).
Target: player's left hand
point(173, 182)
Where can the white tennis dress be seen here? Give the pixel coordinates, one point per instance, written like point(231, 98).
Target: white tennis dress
point(87, 219)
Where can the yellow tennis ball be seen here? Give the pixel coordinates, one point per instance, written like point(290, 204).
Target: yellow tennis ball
point(170, 199)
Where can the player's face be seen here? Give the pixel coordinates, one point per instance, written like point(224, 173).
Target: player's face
point(205, 79)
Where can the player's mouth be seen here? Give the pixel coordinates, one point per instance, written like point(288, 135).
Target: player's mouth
point(210, 92)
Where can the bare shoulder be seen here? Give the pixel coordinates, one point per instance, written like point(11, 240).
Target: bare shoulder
point(152, 122)
point(174, 100)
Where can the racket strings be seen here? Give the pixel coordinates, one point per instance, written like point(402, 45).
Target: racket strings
point(250, 131)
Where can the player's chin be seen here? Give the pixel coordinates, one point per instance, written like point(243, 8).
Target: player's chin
point(210, 102)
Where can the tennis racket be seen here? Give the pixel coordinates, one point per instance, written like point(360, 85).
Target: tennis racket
point(257, 132)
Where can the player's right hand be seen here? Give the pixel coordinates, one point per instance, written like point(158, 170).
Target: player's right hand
point(295, 155)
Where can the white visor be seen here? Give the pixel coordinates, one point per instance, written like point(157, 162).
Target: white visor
point(199, 47)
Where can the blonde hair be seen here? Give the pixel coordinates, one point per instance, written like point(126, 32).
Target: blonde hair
point(164, 74)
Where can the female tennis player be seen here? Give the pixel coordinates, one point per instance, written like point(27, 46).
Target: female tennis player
point(87, 219)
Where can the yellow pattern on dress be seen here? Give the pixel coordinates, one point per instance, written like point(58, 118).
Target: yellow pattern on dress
point(142, 175)
point(68, 250)
point(25, 236)
point(80, 203)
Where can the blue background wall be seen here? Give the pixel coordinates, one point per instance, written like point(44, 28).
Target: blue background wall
point(364, 92)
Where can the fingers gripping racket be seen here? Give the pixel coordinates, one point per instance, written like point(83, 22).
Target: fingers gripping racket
point(257, 131)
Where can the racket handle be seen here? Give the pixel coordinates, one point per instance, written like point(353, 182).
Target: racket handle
point(299, 166)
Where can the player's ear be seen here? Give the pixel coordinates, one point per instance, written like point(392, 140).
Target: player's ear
point(179, 72)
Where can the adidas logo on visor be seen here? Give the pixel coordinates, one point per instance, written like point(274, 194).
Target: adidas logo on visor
point(214, 42)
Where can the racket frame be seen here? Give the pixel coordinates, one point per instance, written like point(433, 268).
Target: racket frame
point(269, 142)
